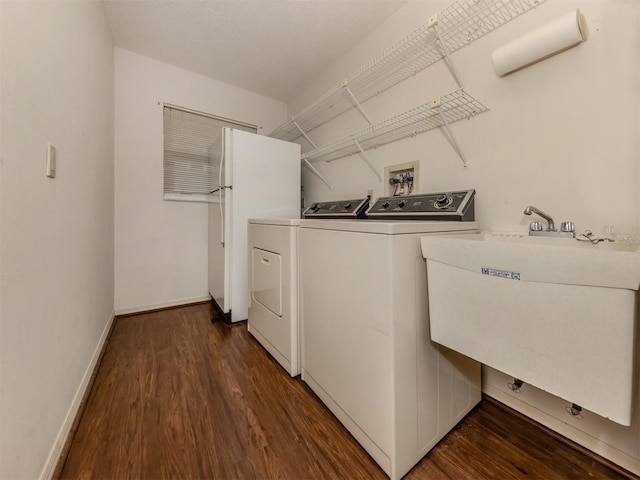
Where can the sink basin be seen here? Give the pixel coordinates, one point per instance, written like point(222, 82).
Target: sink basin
point(557, 313)
point(542, 259)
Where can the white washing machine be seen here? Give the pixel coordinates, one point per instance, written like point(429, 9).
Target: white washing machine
point(273, 281)
point(365, 344)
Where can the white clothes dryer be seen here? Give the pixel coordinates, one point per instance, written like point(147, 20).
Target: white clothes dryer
point(366, 348)
point(273, 281)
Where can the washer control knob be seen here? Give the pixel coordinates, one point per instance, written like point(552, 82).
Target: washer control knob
point(401, 204)
point(385, 205)
point(315, 207)
point(442, 201)
point(347, 205)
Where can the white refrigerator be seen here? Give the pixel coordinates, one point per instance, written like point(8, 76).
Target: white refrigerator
point(259, 177)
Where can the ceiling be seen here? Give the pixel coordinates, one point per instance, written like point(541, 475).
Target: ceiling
point(271, 47)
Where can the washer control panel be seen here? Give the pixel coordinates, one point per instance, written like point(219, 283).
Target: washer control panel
point(355, 208)
point(450, 206)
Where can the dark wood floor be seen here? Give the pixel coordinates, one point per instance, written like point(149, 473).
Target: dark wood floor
point(178, 397)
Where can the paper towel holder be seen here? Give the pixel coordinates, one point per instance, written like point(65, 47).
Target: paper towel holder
point(555, 37)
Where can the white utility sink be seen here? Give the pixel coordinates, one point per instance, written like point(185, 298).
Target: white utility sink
point(557, 313)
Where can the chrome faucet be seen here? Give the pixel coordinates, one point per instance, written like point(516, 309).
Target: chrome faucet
point(531, 209)
point(567, 229)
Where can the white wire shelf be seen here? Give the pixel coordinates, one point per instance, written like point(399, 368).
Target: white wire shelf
point(449, 108)
point(457, 25)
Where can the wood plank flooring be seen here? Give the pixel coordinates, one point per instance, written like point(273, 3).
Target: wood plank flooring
point(179, 397)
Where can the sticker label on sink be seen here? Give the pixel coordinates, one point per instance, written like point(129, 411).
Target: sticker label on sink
point(500, 273)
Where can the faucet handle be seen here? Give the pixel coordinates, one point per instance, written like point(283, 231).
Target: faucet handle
point(567, 227)
point(535, 226)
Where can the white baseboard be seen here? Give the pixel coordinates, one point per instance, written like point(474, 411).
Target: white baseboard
point(156, 306)
point(63, 433)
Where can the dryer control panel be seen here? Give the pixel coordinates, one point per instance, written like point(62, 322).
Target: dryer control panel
point(338, 209)
point(449, 206)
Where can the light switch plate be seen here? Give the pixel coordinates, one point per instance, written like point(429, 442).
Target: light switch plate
point(51, 161)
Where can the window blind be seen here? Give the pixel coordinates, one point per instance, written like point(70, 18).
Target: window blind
point(192, 152)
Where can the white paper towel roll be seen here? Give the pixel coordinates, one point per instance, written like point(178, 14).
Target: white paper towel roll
point(555, 37)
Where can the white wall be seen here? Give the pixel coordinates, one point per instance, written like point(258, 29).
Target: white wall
point(562, 135)
point(56, 286)
point(161, 246)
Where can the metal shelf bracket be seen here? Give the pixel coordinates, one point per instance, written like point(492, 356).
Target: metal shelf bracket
point(367, 161)
point(436, 103)
point(345, 85)
point(303, 133)
point(445, 50)
point(315, 171)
